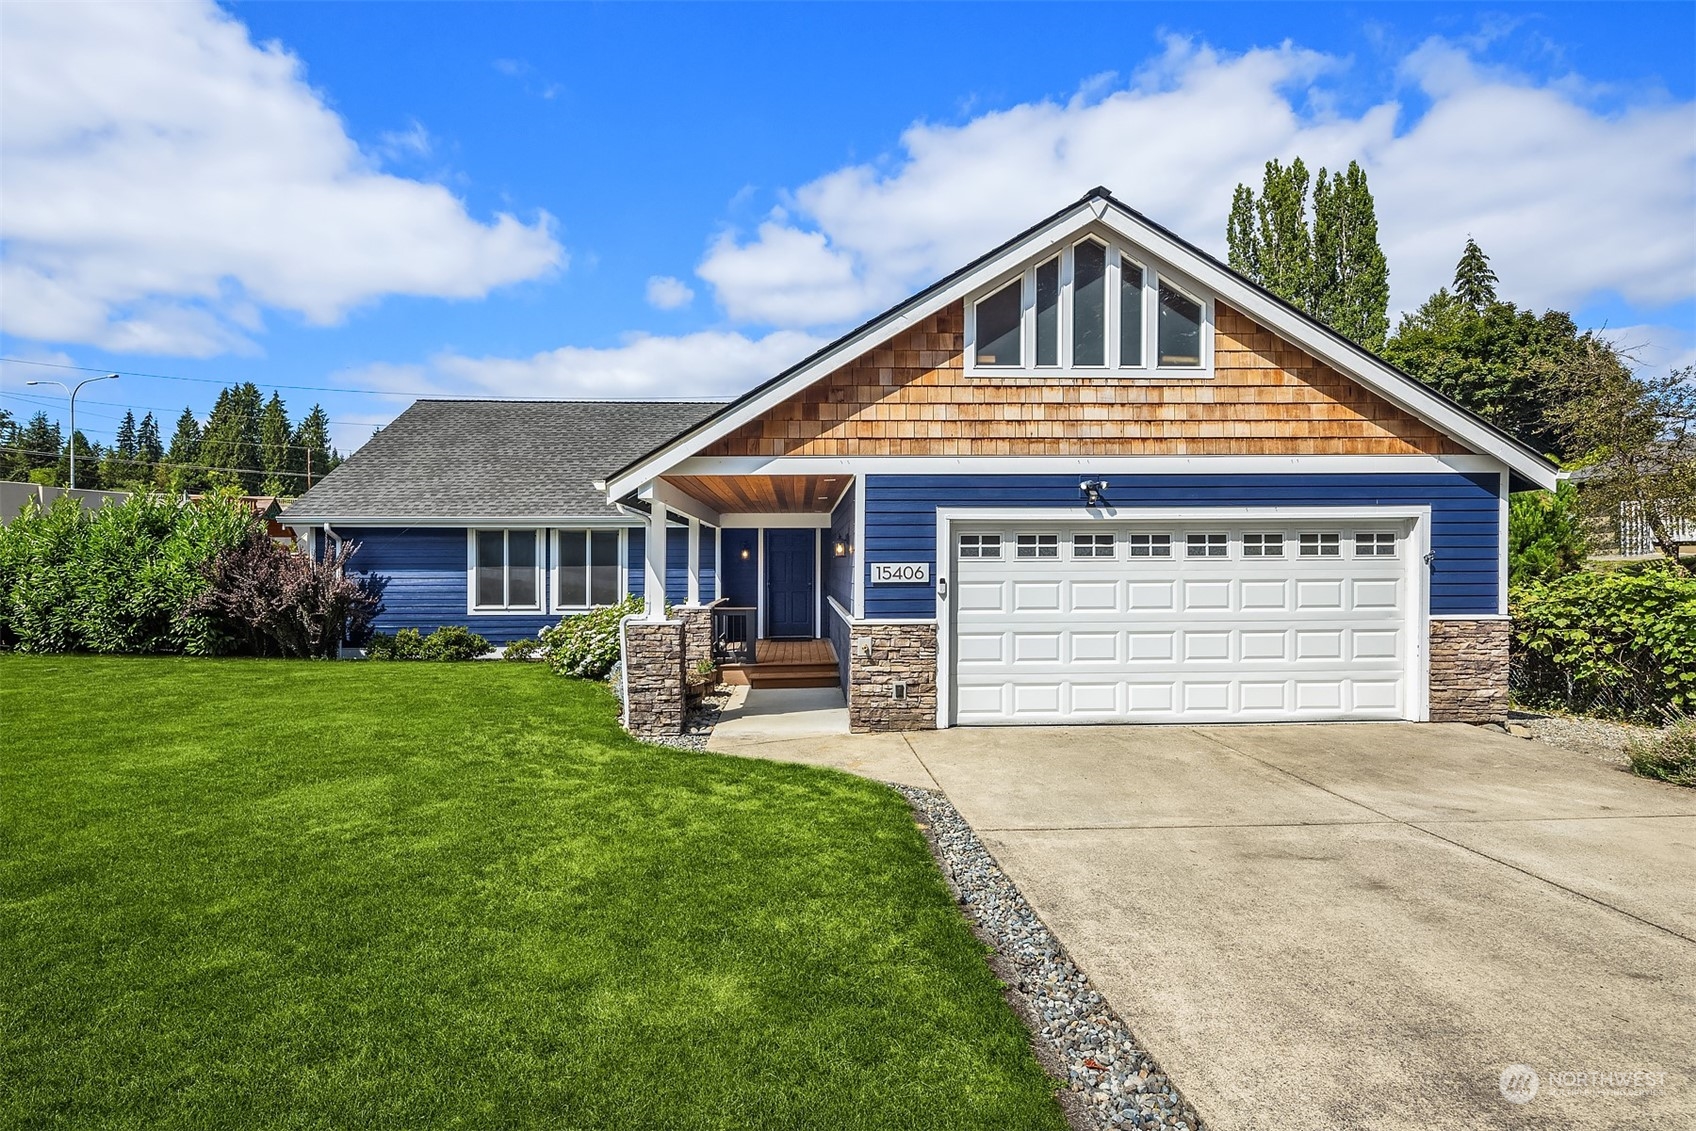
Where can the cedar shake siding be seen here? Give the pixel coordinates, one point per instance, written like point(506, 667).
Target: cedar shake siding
point(912, 397)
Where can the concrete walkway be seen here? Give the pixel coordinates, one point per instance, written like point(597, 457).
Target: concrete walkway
point(810, 725)
point(1329, 926)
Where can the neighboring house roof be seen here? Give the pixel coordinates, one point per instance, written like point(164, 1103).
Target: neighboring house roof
point(1100, 207)
point(480, 459)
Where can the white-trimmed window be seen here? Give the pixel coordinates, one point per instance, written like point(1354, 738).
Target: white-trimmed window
point(1095, 307)
point(1263, 545)
point(1320, 545)
point(1206, 545)
point(1092, 546)
point(980, 545)
point(1151, 545)
point(588, 568)
point(1037, 546)
point(506, 569)
point(1375, 544)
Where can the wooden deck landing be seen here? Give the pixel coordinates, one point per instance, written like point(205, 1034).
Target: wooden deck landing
point(786, 663)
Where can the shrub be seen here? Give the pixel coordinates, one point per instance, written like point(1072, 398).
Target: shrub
point(119, 579)
point(448, 643)
point(454, 642)
point(1621, 642)
point(1545, 534)
point(522, 650)
point(1670, 756)
point(273, 601)
point(586, 645)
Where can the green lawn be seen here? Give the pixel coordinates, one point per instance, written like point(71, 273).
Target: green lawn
point(274, 894)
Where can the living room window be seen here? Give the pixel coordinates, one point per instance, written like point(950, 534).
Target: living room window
point(505, 567)
point(589, 569)
point(1095, 308)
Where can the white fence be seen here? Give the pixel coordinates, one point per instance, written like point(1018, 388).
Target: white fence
point(1634, 538)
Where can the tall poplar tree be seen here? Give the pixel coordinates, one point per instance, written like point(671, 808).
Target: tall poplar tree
point(1332, 269)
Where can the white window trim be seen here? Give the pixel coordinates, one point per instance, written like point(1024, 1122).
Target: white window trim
point(554, 569)
point(544, 576)
point(1117, 253)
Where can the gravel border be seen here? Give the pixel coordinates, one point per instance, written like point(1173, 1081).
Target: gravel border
point(1109, 1082)
point(1599, 738)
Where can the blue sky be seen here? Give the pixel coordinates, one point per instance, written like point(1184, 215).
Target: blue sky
point(652, 200)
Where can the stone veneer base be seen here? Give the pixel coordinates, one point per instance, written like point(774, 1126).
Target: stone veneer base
point(882, 656)
point(653, 677)
point(1469, 671)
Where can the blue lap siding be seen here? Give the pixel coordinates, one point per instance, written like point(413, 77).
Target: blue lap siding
point(423, 574)
point(1465, 519)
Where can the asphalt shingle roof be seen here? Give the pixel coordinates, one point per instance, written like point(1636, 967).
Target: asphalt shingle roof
point(495, 459)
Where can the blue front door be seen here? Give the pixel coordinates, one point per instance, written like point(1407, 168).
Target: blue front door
point(789, 582)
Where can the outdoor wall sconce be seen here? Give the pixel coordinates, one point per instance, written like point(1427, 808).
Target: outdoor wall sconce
point(1091, 490)
point(841, 549)
point(745, 553)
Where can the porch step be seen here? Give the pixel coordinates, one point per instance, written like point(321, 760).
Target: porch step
point(781, 675)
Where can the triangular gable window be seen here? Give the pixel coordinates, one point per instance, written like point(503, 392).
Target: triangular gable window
point(1096, 308)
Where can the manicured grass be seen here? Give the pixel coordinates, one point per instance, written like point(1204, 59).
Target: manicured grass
point(290, 895)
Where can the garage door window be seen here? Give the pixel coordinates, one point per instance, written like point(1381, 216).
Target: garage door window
point(1263, 545)
point(1038, 546)
point(1151, 545)
point(1092, 545)
point(1380, 544)
point(1206, 545)
point(980, 545)
point(1321, 545)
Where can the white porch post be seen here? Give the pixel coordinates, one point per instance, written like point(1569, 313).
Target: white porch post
point(653, 562)
point(694, 561)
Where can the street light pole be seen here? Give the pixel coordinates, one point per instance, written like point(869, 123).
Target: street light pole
point(72, 391)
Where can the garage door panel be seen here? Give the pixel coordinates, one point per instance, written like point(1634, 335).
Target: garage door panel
point(1092, 597)
point(1176, 639)
point(1093, 647)
point(1151, 596)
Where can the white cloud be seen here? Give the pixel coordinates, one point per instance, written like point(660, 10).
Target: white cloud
point(1568, 201)
point(414, 141)
point(710, 363)
point(668, 293)
point(1654, 349)
point(166, 180)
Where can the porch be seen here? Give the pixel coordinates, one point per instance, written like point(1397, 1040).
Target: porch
point(772, 663)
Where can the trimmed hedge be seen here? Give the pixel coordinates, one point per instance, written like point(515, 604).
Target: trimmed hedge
point(1613, 643)
point(450, 643)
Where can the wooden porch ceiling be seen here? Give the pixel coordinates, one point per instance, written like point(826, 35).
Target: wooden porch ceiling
point(764, 494)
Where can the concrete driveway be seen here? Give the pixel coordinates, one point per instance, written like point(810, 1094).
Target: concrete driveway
point(1341, 926)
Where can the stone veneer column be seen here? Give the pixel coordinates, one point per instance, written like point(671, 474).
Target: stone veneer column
point(897, 653)
point(697, 635)
point(653, 677)
point(1469, 671)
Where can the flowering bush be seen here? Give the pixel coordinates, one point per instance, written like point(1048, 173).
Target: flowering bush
point(586, 645)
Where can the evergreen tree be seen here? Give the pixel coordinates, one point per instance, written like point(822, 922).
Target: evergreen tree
point(230, 441)
point(38, 446)
point(1335, 270)
point(148, 448)
point(185, 454)
point(1475, 283)
point(119, 466)
point(276, 449)
point(312, 446)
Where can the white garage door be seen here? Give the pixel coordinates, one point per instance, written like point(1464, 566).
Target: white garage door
point(1162, 622)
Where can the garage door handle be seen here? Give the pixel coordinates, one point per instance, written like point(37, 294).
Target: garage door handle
point(942, 589)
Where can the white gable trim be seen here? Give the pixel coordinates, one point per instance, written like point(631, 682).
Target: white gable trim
point(1346, 358)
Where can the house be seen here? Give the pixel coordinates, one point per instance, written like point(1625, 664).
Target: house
point(1092, 476)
